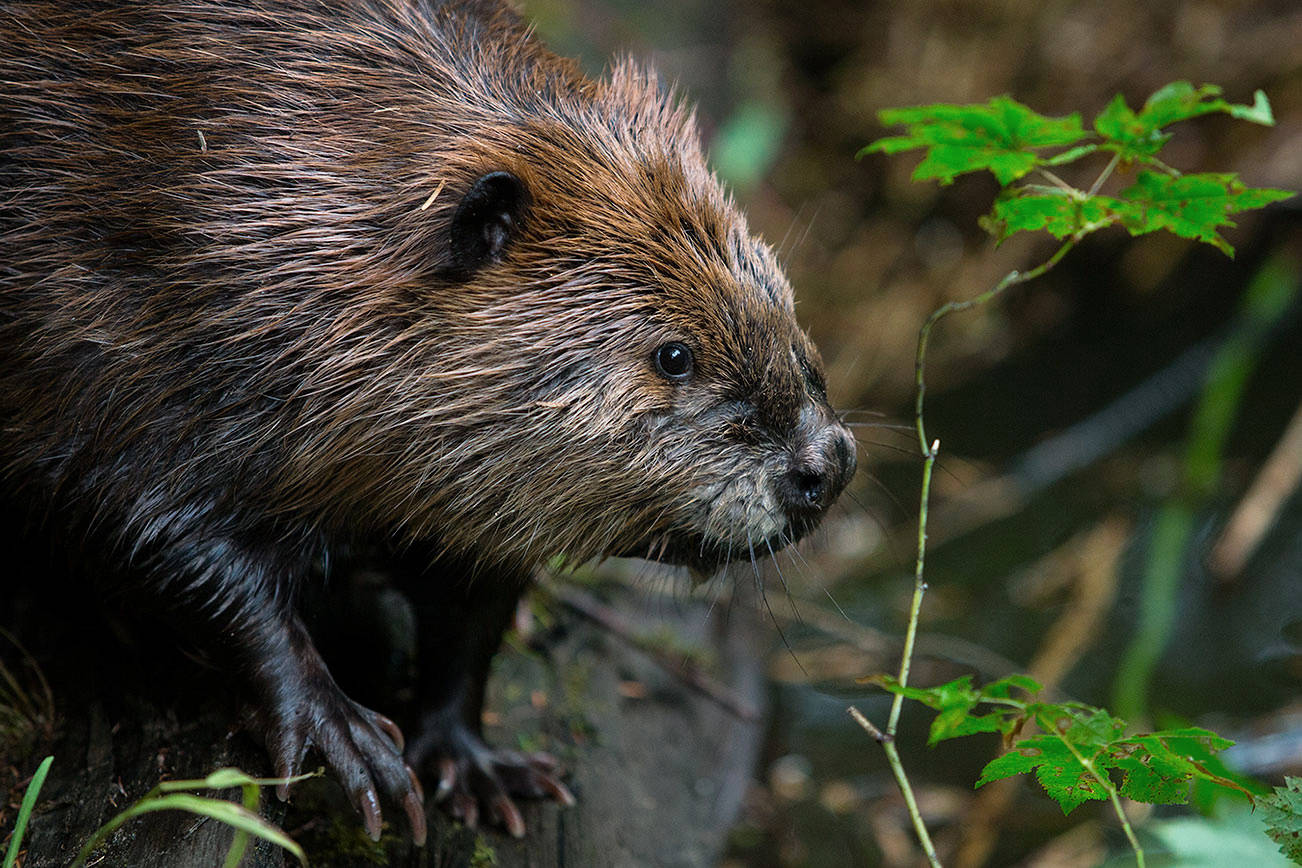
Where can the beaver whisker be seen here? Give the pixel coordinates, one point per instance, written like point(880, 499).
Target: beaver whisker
point(845, 412)
point(759, 585)
point(883, 426)
point(783, 579)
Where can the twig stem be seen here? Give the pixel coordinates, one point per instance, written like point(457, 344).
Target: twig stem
point(906, 660)
point(1011, 279)
point(1104, 175)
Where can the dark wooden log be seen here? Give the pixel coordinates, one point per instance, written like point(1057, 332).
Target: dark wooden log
point(658, 766)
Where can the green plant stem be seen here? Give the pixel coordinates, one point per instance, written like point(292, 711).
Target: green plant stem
point(1104, 175)
point(887, 738)
point(919, 586)
point(1059, 183)
point(1125, 826)
point(924, 334)
point(902, 780)
point(906, 659)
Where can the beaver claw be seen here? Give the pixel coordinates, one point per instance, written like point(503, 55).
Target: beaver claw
point(476, 781)
point(363, 748)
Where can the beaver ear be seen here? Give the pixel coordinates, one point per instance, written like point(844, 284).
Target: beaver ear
point(486, 220)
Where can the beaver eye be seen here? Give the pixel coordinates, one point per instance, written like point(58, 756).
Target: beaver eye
point(674, 361)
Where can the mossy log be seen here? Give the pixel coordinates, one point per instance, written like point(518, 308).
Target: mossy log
point(658, 766)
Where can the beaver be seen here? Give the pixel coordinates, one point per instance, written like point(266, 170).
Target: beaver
point(294, 283)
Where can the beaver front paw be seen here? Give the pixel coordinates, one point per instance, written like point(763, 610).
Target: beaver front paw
point(361, 747)
point(477, 781)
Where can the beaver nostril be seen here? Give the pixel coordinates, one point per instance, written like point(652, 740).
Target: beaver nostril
point(809, 486)
point(804, 490)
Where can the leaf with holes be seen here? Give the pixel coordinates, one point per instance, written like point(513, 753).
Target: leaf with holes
point(1191, 206)
point(1156, 767)
point(1159, 767)
point(1060, 773)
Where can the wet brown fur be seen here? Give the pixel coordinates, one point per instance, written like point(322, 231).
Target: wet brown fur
point(234, 338)
point(280, 329)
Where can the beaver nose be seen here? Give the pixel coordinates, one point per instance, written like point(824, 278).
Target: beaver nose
point(818, 471)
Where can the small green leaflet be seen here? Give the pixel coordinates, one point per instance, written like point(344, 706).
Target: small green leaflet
point(1282, 813)
point(1191, 206)
point(1137, 136)
point(998, 136)
point(956, 700)
point(1061, 215)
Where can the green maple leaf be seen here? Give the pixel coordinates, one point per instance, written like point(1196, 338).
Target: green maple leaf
point(1137, 136)
point(1026, 756)
point(1282, 813)
point(1058, 214)
point(1069, 783)
point(1159, 767)
point(957, 721)
point(956, 700)
point(1143, 783)
point(1080, 746)
point(1180, 101)
point(958, 693)
point(1191, 206)
point(998, 136)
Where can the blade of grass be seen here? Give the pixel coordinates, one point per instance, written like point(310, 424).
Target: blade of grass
point(233, 815)
point(25, 810)
point(251, 798)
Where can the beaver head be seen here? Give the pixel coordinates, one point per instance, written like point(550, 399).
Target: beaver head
point(613, 357)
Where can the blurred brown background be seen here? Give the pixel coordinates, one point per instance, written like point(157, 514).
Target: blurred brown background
point(1039, 558)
